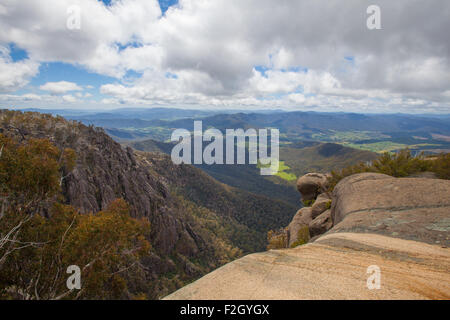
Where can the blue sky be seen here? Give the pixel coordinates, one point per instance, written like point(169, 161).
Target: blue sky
point(164, 4)
point(59, 71)
point(224, 54)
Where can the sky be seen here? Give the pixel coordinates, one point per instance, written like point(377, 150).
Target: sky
point(226, 54)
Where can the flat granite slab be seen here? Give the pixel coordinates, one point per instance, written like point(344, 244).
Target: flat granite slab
point(333, 267)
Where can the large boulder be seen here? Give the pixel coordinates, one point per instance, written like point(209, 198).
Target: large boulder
point(408, 208)
point(320, 206)
point(320, 224)
point(298, 232)
point(323, 196)
point(311, 185)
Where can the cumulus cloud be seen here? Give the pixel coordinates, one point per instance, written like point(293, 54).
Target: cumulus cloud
point(60, 87)
point(47, 101)
point(257, 53)
point(15, 75)
point(69, 98)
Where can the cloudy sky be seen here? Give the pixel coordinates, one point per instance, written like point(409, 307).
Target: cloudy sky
point(244, 54)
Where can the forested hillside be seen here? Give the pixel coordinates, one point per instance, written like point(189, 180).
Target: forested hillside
point(296, 158)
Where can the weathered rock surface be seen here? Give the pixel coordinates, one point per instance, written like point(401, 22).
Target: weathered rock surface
point(299, 225)
point(323, 197)
point(400, 225)
point(320, 224)
point(408, 208)
point(333, 267)
point(319, 207)
point(311, 185)
point(309, 222)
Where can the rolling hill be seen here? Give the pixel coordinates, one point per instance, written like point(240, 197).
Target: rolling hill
point(372, 132)
point(297, 159)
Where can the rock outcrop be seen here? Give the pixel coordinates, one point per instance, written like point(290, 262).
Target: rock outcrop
point(321, 224)
point(306, 224)
point(408, 208)
point(319, 206)
point(298, 232)
point(399, 225)
point(311, 185)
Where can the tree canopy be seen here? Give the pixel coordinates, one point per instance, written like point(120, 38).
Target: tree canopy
point(40, 237)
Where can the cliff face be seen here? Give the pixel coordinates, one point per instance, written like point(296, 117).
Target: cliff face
point(399, 225)
point(105, 171)
point(248, 216)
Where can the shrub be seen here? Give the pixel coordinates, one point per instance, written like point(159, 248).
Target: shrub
point(441, 166)
point(308, 203)
point(400, 164)
point(40, 237)
point(277, 239)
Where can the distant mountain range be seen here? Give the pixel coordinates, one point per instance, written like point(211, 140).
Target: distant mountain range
point(139, 113)
point(372, 132)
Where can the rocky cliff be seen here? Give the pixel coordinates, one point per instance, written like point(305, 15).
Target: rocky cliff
point(399, 225)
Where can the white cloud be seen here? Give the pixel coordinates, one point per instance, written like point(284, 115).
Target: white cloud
point(31, 97)
point(15, 75)
point(40, 27)
point(69, 98)
point(297, 98)
point(205, 52)
point(60, 87)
